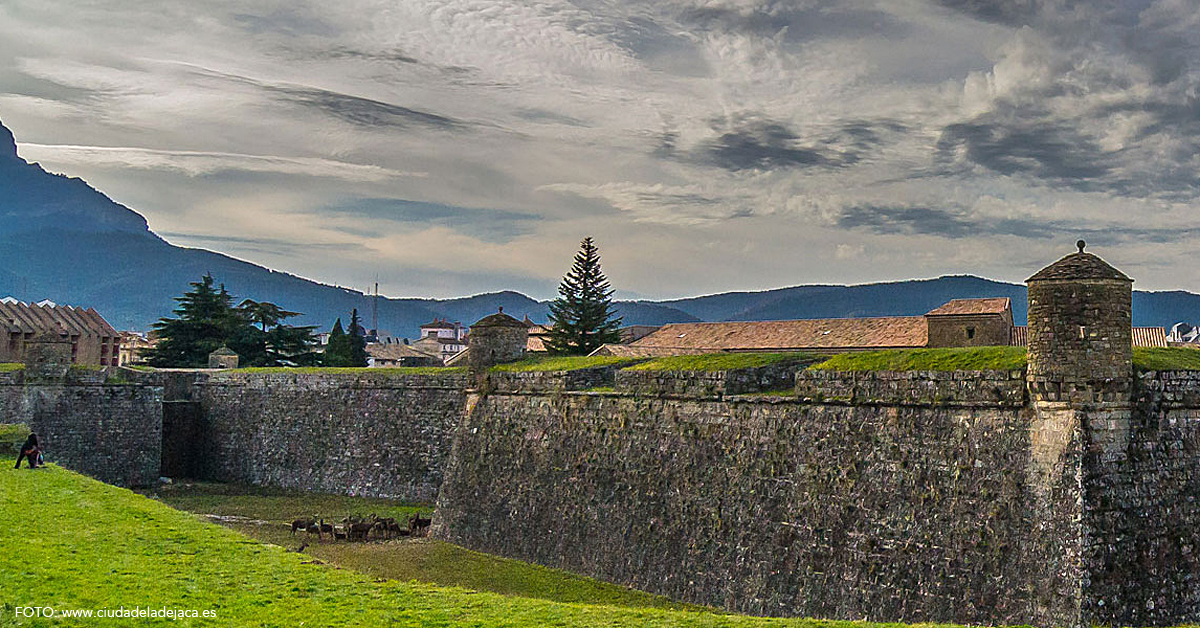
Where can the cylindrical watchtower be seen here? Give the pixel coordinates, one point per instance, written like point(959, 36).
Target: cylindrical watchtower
point(495, 339)
point(1080, 329)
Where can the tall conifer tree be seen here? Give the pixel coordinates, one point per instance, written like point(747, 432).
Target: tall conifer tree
point(582, 317)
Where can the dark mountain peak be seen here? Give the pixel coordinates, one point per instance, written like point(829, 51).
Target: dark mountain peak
point(32, 199)
point(8, 143)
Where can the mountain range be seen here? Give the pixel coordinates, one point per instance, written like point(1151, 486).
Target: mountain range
point(61, 239)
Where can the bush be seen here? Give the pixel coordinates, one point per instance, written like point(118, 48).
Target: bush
point(12, 436)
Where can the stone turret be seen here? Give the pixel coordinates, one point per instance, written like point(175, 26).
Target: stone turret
point(495, 339)
point(48, 355)
point(223, 358)
point(1080, 330)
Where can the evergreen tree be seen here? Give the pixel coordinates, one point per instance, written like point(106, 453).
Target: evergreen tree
point(205, 319)
point(337, 351)
point(346, 348)
point(582, 317)
point(358, 343)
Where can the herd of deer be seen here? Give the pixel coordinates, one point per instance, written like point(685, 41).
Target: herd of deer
point(356, 528)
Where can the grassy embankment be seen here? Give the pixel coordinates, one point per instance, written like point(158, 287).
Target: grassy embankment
point(109, 548)
point(1166, 359)
point(721, 361)
point(264, 514)
point(959, 359)
point(391, 370)
point(562, 363)
point(8, 367)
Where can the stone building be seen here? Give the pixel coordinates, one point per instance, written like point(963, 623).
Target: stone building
point(957, 323)
point(93, 341)
point(495, 339)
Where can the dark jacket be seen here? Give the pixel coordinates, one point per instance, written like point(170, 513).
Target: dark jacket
point(31, 443)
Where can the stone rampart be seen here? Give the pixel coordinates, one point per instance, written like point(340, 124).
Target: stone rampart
point(375, 433)
point(775, 505)
point(1141, 505)
point(1002, 389)
point(665, 383)
point(110, 431)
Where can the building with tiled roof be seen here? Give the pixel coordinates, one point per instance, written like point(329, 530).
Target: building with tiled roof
point(93, 340)
point(957, 323)
point(399, 354)
point(1142, 336)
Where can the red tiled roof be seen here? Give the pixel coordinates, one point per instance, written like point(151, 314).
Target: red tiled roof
point(821, 334)
point(957, 307)
point(1142, 336)
point(30, 317)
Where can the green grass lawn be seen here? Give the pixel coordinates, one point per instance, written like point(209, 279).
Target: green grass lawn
point(97, 546)
point(959, 359)
point(563, 363)
point(1166, 359)
point(423, 560)
point(391, 370)
point(271, 504)
point(8, 367)
point(721, 361)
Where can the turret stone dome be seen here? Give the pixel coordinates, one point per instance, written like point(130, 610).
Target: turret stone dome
point(1079, 266)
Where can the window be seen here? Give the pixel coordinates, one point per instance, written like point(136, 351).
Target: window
point(970, 332)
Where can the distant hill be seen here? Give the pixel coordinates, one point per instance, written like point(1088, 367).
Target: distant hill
point(61, 239)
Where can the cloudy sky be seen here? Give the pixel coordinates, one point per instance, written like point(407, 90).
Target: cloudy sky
point(456, 146)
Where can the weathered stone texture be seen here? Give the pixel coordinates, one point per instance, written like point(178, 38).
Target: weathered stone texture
point(708, 383)
point(551, 381)
point(376, 434)
point(779, 507)
point(1141, 510)
point(1080, 330)
point(981, 330)
point(110, 432)
point(914, 388)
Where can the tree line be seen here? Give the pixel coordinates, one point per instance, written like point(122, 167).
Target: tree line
point(206, 319)
point(582, 319)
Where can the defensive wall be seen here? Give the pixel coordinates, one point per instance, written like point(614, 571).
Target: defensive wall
point(1061, 494)
point(89, 421)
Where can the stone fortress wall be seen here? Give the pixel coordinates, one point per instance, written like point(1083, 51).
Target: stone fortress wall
point(1065, 494)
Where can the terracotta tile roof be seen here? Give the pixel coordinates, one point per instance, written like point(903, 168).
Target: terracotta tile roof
point(957, 307)
point(1018, 336)
point(1149, 337)
point(20, 317)
point(536, 344)
point(631, 351)
point(396, 351)
point(1142, 336)
point(819, 334)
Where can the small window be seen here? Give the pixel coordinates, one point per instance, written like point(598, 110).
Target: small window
point(970, 332)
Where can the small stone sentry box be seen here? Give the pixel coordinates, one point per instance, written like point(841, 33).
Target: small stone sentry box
point(1080, 328)
point(223, 358)
point(495, 339)
point(48, 356)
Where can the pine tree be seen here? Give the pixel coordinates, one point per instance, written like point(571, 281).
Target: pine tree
point(358, 344)
point(582, 317)
point(205, 320)
point(337, 351)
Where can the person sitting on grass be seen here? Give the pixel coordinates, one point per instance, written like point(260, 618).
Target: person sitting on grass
point(32, 452)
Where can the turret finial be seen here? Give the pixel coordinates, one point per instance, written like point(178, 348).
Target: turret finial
point(1081, 244)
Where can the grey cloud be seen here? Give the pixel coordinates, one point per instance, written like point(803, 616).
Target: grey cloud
point(1043, 149)
point(758, 143)
point(958, 222)
point(365, 111)
point(797, 22)
point(274, 246)
point(285, 22)
point(488, 225)
point(1012, 12)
